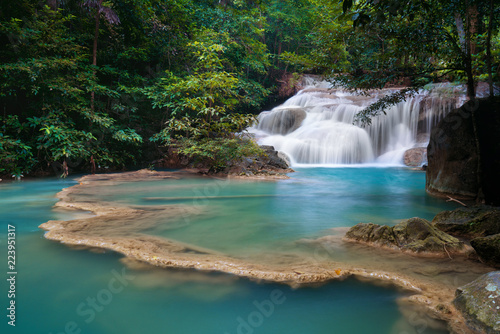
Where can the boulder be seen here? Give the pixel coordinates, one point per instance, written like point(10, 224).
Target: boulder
point(488, 119)
point(452, 156)
point(281, 121)
point(415, 157)
point(460, 165)
point(415, 235)
point(488, 249)
point(271, 163)
point(479, 302)
point(272, 158)
point(469, 222)
point(430, 105)
point(283, 156)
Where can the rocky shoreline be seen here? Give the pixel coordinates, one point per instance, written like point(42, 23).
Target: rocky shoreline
point(479, 300)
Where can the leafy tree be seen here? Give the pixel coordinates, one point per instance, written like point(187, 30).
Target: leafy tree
point(197, 106)
point(100, 9)
point(443, 38)
point(43, 88)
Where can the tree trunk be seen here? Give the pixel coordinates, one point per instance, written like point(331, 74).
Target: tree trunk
point(92, 164)
point(464, 36)
point(471, 89)
point(94, 51)
point(52, 4)
point(65, 169)
point(472, 25)
point(470, 43)
point(488, 51)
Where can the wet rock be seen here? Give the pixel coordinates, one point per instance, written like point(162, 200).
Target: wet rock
point(271, 164)
point(362, 232)
point(488, 249)
point(453, 158)
point(415, 235)
point(283, 156)
point(415, 157)
point(282, 121)
point(273, 159)
point(479, 302)
point(454, 168)
point(469, 222)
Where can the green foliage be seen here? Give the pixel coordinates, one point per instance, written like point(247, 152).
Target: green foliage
point(16, 158)
point(219, 153)
point(364, 117)
point(45, 86)
point(198, 105)
point(415, 43)
point(192, 73)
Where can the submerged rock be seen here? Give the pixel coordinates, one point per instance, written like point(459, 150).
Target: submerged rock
point(488, 249)
point(479, 302)
point(469, 222)
point(415, 235)
point(415, 157)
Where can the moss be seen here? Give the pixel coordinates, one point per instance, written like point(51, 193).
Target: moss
point(478, 302)
point(469, 222)
point(488, 249)
point(414, 234)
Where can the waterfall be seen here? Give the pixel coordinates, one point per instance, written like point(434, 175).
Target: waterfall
point(316, 126)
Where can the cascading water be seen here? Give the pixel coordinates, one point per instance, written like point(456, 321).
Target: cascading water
point(317, 127)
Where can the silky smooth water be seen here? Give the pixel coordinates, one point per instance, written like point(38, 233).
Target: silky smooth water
point(63, 290)
point(241, 216)
point(318, 126)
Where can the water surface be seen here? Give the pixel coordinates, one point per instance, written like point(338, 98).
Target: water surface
point(57, 285)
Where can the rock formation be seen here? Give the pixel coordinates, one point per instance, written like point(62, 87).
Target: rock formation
point(415, 157)
point(488, 248)
point(481, 224)
point(464, 153)
point(282, 121)
point(452, 155)
point(469, 222)
point(479, 302)
point(273, 163)
point(414, 235)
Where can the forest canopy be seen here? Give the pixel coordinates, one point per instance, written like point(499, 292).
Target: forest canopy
point(102, 85)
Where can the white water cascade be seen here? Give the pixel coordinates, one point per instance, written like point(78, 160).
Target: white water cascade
point(315, 126)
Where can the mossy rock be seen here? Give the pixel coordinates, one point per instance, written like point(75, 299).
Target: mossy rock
point(418, 235)
point(479, 302)
point(361, 232)
point(488, 249)
point(372, 233)
point(415, 235)
point(469, 222)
